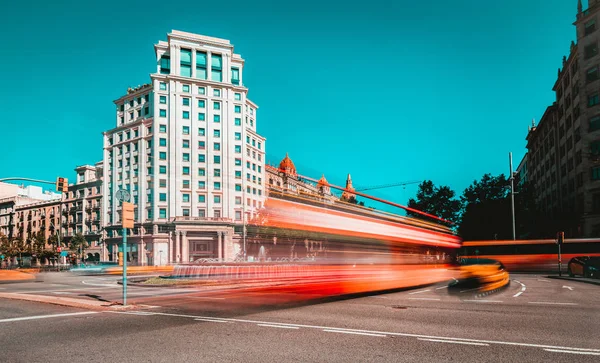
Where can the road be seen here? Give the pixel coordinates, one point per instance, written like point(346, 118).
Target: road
point(535, 319)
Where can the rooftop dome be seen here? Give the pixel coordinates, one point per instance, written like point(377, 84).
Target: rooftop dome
point(287, 165)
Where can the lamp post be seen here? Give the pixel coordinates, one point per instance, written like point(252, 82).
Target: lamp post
point(512, 194)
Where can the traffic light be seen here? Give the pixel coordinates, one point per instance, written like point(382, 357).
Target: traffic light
point(560, 238)
point(62, 185)
point(127, 217)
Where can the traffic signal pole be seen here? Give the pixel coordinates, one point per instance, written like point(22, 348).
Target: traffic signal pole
point(124, 266)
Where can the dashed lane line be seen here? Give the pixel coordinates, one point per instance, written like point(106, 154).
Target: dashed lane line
point(278, 326)
point(423, 298)
point(214, 320)
point(484, 301)
point(570, 351)
point(355, 332)
point(523, 288)
point(551, 303)
point(418, 292)
point(452, 341)
point(382, 333)
point(47, 316)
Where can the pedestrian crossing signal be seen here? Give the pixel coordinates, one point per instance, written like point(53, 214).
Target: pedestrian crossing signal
point(62, 185)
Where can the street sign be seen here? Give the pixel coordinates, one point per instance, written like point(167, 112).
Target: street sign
point(63, 254)
point(122, 195)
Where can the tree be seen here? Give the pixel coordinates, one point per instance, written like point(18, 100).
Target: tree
point(78, 244)
point(486, 212)
point(438, 201)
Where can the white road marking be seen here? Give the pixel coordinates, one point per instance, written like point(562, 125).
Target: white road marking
point(484, 301)
point(452, 341)
point(137, 313)
point(470, 289)
point(105, 285)
point(443, 287)
point(278, 326)
point(63, 292)
point(568, 287)
point(409, 335)
point(544, 280)
point(550, 303)
point(423, 298)
point(523, 288)
point(379, 297)
point(214, 320)
point(354, 332)
point(570, 351)
point(418, 292)
point(47, 316)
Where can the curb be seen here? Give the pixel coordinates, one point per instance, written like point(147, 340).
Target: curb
point(70, 302)
point(581, 279)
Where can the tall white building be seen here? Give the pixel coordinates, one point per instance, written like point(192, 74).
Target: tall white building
point(186, 147)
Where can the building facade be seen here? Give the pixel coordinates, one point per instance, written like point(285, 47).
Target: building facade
point(564, 148)
point(186, 148)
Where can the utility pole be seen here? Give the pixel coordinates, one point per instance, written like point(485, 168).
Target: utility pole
point(512, 195)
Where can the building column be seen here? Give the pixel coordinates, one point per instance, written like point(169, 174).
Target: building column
point(177, 247)
point(220, 245)
point(185, 256)
point(226, 243)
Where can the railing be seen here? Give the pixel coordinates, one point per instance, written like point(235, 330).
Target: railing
point(206, 219)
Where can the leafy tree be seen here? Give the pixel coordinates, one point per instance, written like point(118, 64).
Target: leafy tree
point(78, 243)
point(488, 188)
point(438, 201)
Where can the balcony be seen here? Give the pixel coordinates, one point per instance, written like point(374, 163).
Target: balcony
point(203, 219)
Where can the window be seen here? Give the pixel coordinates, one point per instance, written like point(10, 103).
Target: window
point(593, 100)
point(186, 198)
point(253, 142)
point(238, 200)
point(186, 115)
point(217, 133)
point(186, 157)
point(162, 197)
point(238, 162)
point(201, 66)
point(238, 149)
point(235, 76)
point(596, 173)
point(201, 158)
point(201, 103)
point(162, 141)
point(186, 170)
point(217, 172)
point(590, 50)
point(238, 174)
point(238, 135)
point(162, 128)
point(201, 145)
point(162, 99)
point(163, 113)
point(238, 121)
point(162, 169)
point(201, 184)
point(186, 63)
point(162, 183)
point(162, 155)
point(201, 132)
point(259, 169)
point(162, 86)
point(216, 68)
point(186, 212)
point(217, 159)
point(201, 172)
point(217, 199)
point(237, 109)
point(217, 185)
point(237, 96)
point(259, 145)
point(217, 105)
point(186, 130)
point(162, 213)
point(247, 139)
point(201, 198)
point(595, 148)
point(592, 74)
point(201, 116)
point(186, 184)
point(595, 123)
point(185, 88)
point(165, 65)
point(238, 187)
point(186, 101)
point(217, 92)
point(590, 26)
point(201, 213)
point(201, 90)
point(186, 144)
point(217, 118)
point(217, 146)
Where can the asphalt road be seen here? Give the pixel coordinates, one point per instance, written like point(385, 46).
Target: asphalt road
point(534, 320)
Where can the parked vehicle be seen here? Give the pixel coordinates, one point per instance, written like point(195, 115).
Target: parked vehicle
point(585, 266)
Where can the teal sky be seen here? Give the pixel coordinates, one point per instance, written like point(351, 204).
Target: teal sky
point(388, 91)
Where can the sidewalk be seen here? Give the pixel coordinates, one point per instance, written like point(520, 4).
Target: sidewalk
point(577, 279)
point(15, 276)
